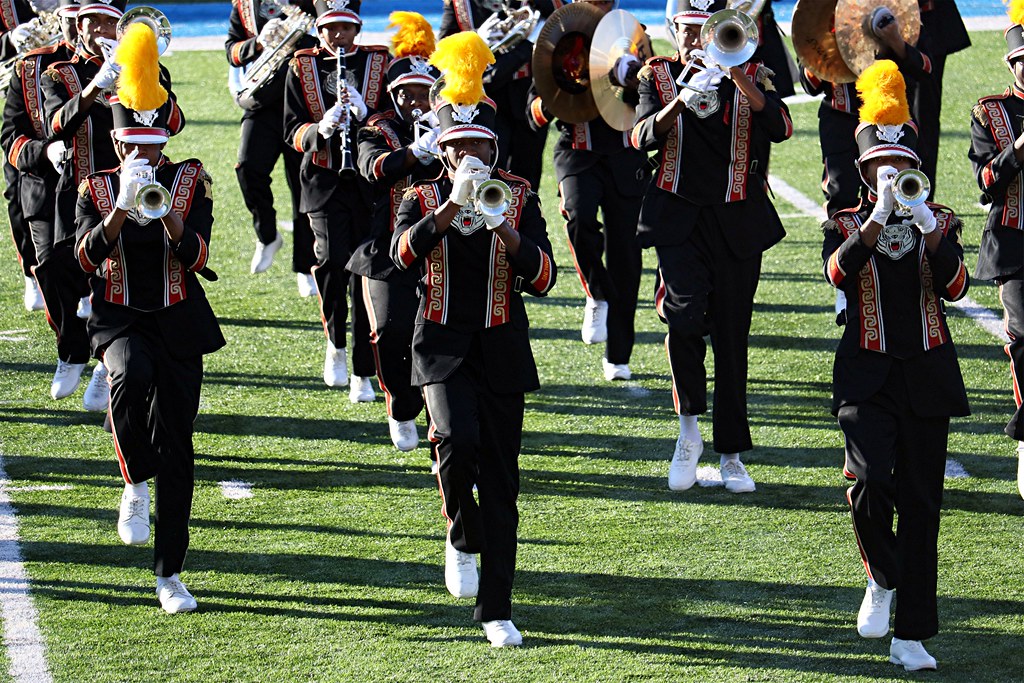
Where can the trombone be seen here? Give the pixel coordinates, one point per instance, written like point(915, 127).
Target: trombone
point(729, 37)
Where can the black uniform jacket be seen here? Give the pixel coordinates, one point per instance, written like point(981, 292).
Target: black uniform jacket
point(718, 160)
point(242, 48)
point(310, 90)
point(581, 146)
point(87, 131)
point(141, 272)
point(944, 26)
point(471, 289)
point(996, 121)
point(383, 146)
point(12, 13)
point(894, 310)
point(26, 133)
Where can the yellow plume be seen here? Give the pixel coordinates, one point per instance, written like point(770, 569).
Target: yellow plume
point(138, 86)
point(1016, 11)
point(462, 58)
point(883, 94)
point(414, 38)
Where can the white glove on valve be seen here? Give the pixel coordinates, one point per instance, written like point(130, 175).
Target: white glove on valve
point(267, 32)
point(924, 219)
point(883, 187)
point(425, 148)
point(133, 175)
point(470, 172)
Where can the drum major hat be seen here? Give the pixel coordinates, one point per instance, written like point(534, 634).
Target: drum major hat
point(68, 8)
point(462, 108)
point(111, 8)
point(1015, 34)
point(692, 11)
point(141, 107)
point(333, 11)
point(885, 127)
point(412, 46)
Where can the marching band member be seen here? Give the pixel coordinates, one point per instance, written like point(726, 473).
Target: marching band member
point(333, 195)
point(262, 139)
point(32, 151)
point(392, 156)
point(896, 379)
point(596, 167)
point(151, 322)
point(997, 152)
point(707, 214)
point(471, 348)
point(75, 94)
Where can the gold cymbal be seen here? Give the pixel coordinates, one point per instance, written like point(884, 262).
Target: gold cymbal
point(561, 68)
point(815, 43)
point(857, 43)
point(618, 35)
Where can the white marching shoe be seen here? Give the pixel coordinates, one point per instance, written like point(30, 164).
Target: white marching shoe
point(735, 477)
point(97, 394)
point(33, 297)
point(911, 655)
point(263, 257)
point(133, 520)
point(403, 434)
point(614, 371)
point(873, 617)
point(460, 575)
point(361, 390)
point(84, 308)
point(335, 366)
point(307, 285)
point(502, 633)
point(682, 471)
point(66, 379)
point(174, 596)
point(595, 322)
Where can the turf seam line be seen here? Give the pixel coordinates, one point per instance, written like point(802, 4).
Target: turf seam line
point(22, 638)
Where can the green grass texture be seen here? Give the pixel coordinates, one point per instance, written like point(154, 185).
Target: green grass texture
point(333, 571)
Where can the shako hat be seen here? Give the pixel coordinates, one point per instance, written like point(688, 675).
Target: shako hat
point(885, 127)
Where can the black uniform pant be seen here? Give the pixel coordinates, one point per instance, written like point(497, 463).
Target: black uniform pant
point(520, 148)
point(899, 462)
point(62, 283)
point(703, 290)
point(616, 245)
point(337, 227)
point(478, 434)
point(19, 225)
point(154, 400)
point(261, 146)
point(840, 180)
point(392, 305)
point(1011, 291)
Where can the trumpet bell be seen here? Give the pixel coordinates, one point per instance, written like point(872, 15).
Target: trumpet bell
point(493, 197)
point(729, 37)
point(152, 17)
point(153, 201)
point(911, 188)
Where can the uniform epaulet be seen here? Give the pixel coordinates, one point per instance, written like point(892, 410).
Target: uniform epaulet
point(44, 50)
point(662, 58)
point(764, 76)
point(83, 188)
point(305, 52)
point(410, 193)
point(513, 179)
point(941, 208)
point(999, 96)
point(373, 48)
point(829, 225)
point(380, 116)
point(980, 113)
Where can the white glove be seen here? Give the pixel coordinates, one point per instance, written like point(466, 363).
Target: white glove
point(493, 222)
point(19, 34)
point(883, 188)
point(425, 148)
point(356, 104)
point(470, 172)
point(55, 153)
point(133, 175)
point(331, 120)
point(268, 30)
point(705, 81)
point(106, 76)
point(924, 219)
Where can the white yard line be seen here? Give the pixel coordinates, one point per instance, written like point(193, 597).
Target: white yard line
point(955, 470)
point(235, 489)
point(13, 335)
point(986, 319)
point(22, 639)
point(42, 487)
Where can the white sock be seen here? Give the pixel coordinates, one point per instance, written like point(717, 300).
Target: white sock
point(688, 427)
point(728, 457)
point(138, 489)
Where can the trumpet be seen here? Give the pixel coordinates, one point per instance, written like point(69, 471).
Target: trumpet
point(492, 197)
point(152, 201)
point(910, 188)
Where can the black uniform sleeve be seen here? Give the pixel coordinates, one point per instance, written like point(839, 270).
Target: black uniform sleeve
point(300, 130)
point(842, 256)
point(91, 244)
point(915, 65)
point(241, 48)
point(812, 85)
point(537, 115)
point(505, 66)
point(382, 159)
point(643, 136)
point(994, 169)
point(415, 234)
point(774, 119)
point(950, 279)
point(22, 147)
point(65, 113)
point(449, 25)
point(534, 262)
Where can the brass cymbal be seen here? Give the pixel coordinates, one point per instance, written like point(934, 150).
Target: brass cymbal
point(618, 35)
point(815, 43)
point(561, 56)
point(857, 42)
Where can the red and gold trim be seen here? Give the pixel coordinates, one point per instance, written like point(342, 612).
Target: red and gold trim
point(464, 14)
point(8, 14)
point(19, 142)
point(498, 285)
point(83, 258)
point(436, 263)
point(236, 53)
point(542, 281)
point(405, 250)
point(373, 79)
point(174, 277)
point(833, 271)
point(739, 166)
point(299, 134)
point(1002, 133)
point(248, 11)
point(32, 91)
point(932, 329)
point(667, 177)
point(537, 112)
point(309, 79)
point(581, 136)
point(841, 100)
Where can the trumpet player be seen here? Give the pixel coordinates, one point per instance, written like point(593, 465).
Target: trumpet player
point(997, 153)
point(251, 34)
point(896, 378)
point(471, 348)
point(707, 214)
point(151, 323)
point(396, 149)
point(329, 93)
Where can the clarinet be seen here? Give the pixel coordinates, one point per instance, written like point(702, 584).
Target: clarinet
point(348, 167)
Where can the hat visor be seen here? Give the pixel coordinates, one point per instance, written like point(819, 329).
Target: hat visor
point(99, 9)
point(412, 79)
point(467, 132)
point(142, 136)
point(68, 12)
point(338, 17)
point(696, 18)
